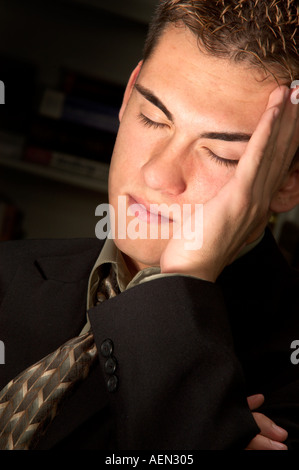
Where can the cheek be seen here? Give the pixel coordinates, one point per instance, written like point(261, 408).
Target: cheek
point(207, 179)
point(121, 166)
point(130, 147)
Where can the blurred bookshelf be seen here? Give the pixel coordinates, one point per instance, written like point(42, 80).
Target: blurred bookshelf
point(64, 176)
point(64, 67)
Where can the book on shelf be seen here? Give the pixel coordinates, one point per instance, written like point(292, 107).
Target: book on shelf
point(59, 105)
point(67, 163)
point(71, 129)
point(78, 84)
point(87, 100)
point(71, 138)
point(11, 145)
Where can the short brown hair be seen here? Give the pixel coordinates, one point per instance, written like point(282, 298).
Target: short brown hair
point(263, 32)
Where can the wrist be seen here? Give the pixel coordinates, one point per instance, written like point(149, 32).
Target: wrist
point(203, 274)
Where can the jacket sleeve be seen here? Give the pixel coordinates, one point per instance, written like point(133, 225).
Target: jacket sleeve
point(167, 355)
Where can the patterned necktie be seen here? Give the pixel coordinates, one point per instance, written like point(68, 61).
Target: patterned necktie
point(30, 402)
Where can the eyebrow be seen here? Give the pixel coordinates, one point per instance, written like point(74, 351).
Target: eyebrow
point(147, 94)
point(225, 136)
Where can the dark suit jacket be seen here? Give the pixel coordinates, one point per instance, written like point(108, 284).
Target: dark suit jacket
point(188, 351)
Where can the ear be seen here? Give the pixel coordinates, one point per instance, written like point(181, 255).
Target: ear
point(287, 197)
point(129, 88)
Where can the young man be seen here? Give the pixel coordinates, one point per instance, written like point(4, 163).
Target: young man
point(191, 337)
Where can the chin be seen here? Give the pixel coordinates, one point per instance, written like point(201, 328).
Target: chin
point(142, 253)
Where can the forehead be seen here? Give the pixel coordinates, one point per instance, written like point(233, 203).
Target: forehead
point(192, 83)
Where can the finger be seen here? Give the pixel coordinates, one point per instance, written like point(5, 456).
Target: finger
point(294, 104)
point(260, 442)
point(287, 139)
point(269, 429)
point(255, 401)
point(265, 134)
point(294, 146)
point(280, 130)
point(255, 163)
point(268, 154)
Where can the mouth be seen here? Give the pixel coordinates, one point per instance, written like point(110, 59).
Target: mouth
point(147, 212)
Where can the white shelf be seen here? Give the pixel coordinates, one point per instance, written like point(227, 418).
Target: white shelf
point(54, 174)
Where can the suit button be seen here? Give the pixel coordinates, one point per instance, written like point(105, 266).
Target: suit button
point(112, 383)
point(110, 365)
point(107, 348)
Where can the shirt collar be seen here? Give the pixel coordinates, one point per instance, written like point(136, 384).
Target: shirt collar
point(111, 254)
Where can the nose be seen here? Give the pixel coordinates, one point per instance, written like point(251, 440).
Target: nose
point(164, 171)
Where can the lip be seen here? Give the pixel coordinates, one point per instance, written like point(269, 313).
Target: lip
point(145, 212)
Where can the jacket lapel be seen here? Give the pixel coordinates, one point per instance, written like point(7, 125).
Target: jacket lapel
point(45, 303)
point(51, 290)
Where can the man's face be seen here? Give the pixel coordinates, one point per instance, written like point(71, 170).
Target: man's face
point(184, 125)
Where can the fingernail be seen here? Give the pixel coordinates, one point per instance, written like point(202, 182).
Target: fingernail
point(279, 430)
point(278, 445)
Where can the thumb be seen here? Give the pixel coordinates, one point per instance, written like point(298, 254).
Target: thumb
point(255, 401)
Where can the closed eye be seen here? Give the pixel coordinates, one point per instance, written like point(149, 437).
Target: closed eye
point(159, 125)
point(149, 123)
point(222, 161)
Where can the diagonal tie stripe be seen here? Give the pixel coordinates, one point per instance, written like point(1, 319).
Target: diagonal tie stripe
point(37, 406)
point(29, 402)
